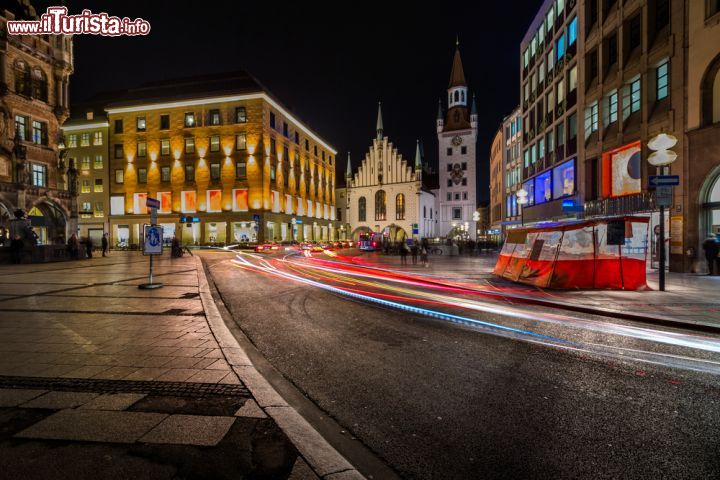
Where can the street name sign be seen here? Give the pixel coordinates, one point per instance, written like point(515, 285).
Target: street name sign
point(664, 180)
point(152, 202)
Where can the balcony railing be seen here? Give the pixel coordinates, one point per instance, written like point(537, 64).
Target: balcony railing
point(642, 202)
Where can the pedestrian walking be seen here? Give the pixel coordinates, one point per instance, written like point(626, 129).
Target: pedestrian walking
point(73, 247)
point(16, 248)
point(105, 244)
point(403, 253)
point(176, 250)
point(712, 248)
point(89, 247)
point(414, 252)
point(424, 255)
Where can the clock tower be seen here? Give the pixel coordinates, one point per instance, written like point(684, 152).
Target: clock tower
point(457, 139)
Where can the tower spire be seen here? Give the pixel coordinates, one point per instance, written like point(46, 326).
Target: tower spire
point(440, 112)
point(457, 75)
point(379, 126)
point(473, 107)
point(418, 157)
point(348, 170)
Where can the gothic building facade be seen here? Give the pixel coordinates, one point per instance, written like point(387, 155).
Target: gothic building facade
point(34, 80)
point(387, 195)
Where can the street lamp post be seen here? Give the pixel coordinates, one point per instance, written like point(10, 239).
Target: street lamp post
point(661, 158)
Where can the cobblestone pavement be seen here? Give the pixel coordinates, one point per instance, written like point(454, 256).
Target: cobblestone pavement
point(689, 298)
point(99, 378)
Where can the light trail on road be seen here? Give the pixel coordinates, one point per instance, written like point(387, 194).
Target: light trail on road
point(455, 301)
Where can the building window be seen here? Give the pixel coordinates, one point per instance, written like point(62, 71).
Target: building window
point(449, 197)
point(240, 115)
point(99, 209)
point(449, 182)
point(190, 119)
point(631, 98)
point(400, 207)
point(165, 146)
point(463, 165)
point(165, 174)
point(119, 126)
point(662, 14)
point(142, 175)
point(449, 167)
point(315, 150)
point(85, 163)
point(272, 120)
point(189, 172)
point(118, 150)
point(526, 158)
point(449, 151)
point(141, 124)
point(286, 130)
point(711, 8)
point(307, 145)
point(463, 182)
point(634, 33)
point(240, 170)
point(85, 188)
point(572, 124)
point(457, 213)
point(165, 122)
point(39, 85)
point(463, 150)
point(591, 119)
point(297, 138)
point(40, 133)
point(572, 29)
point(241, 141)
point(189, 144)
point(21, 127)
point(560, 46)
point(215, 143)
point(465, 196)
point(215, 172)
point(611, 108)
point(380, 205)
point(98, 164)
point(84, 139)
point(362, 206)
point(661, 75)
point(572, 80)
point(97, 138)
point(119, 176)
point(141, 149)
point(98, 185)
point(86, 207)
point(72, 139)
point(214, 117)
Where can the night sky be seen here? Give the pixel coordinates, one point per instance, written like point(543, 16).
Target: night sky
point(329, 62)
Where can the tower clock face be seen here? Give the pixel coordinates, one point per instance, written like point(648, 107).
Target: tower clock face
point(457, 174)
point(457, 141)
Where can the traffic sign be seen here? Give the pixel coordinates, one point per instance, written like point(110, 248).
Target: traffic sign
point(663, 196)
point(664, 180)
point(153, 240)
point(152, 202)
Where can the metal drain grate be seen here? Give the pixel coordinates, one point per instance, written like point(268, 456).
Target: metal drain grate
point(179, 389)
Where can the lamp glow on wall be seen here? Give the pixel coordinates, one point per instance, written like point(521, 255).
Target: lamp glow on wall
point(661, 145)
point(522, 196)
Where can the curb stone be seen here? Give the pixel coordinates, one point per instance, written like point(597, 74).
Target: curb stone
point(317, 452)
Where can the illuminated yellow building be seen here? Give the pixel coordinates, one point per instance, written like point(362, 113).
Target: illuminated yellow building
point(85, 136)
point(226, 160)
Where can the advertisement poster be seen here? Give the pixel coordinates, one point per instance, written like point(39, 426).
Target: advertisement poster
point(676, 239)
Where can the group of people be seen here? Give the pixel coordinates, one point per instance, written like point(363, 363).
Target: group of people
point(74, 246)
point(414, 249)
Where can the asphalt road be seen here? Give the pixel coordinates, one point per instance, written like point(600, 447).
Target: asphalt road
point(438, 400)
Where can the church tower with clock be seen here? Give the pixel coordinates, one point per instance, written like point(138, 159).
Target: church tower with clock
point(457, 139)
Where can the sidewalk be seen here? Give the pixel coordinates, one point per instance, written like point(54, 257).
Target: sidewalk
point(101, 379)
point(688, 298)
